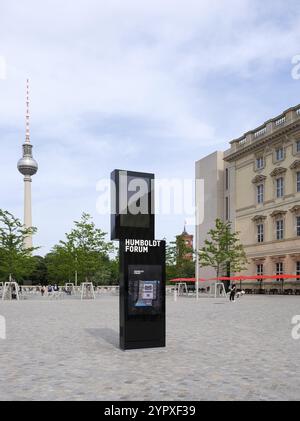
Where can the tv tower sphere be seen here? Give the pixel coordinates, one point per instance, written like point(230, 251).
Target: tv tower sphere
point(27, 165)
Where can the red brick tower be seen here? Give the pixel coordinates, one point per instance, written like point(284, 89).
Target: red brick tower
point(188, 240)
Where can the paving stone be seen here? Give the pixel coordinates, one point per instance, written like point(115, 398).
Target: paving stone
point(68, 350)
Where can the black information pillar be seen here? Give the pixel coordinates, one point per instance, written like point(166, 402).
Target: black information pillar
point(142, 261)
point(142, 294)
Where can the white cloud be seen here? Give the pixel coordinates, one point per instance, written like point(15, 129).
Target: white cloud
point(137, 83)
point(134, 58)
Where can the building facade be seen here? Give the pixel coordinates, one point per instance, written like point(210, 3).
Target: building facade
point(211, 170)
point(256, 185)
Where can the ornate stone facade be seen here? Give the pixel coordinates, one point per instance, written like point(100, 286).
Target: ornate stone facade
point(261, 193)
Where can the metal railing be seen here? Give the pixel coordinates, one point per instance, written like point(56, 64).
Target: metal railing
point(75, 291)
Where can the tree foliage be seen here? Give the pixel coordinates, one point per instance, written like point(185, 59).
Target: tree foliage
point(39, 275)
point(223, 248)
point(84, 252)
point(15, 259)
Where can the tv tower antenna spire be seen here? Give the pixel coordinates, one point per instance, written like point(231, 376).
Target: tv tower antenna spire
point(27, 139)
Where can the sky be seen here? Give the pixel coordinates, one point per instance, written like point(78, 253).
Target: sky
point(146, 86)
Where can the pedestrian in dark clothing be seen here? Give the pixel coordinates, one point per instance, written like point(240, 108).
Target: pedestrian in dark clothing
point(232, 293)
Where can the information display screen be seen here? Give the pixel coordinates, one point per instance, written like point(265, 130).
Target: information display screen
point(144, 289)
point(132, 205)
point(141, 219)
point(135, 221)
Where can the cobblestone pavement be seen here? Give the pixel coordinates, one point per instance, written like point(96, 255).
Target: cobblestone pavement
point(68, 350)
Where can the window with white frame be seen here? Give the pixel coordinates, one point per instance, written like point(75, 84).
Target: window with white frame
point(279, 229)
point(298, 267)
point(279, 269)
point(279, 154)
point(260, 269)
point(298, 181)
point(298, 146)
point(260, 193)
point(260, 233)
point(298, 225)
point(259, 162)
point(279, 187)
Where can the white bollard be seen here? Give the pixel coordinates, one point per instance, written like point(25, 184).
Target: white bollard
point(175, 294)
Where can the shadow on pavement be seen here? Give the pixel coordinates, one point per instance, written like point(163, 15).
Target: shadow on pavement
point(109, 335)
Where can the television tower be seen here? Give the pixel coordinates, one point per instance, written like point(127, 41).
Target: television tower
point(28, 167)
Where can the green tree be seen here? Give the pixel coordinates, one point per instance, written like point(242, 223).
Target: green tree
point(170, 261)
point(223, 248)
point(114, 271)
point(39, 275)
point(108, 274)
point(60, 264)
point(84, 252)
point(15, 259)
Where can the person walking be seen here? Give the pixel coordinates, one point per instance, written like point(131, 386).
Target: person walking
point(55, 291)
point(232, 293)
point(14, 292)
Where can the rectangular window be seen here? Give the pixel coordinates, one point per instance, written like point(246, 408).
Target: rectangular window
point(259, 270)
point(227, 208)
point(298, 225)
point(298, 181)
point(260, 193)
point(260, 233)
point(226, 179)
point(279, 270)
point(279, 229)
point(298, 268)
point(259, 162)
point(279, 187)
point(279, 154)
point(298, 146)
